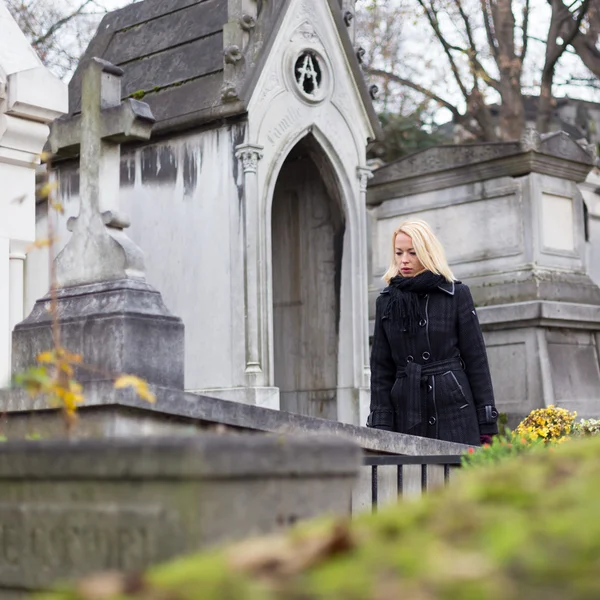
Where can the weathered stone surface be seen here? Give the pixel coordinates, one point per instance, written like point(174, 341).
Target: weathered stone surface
point(181, 46)
point(447, 166)
point(71, 508)
point(118, 327)
point(189, 412)
point(107, 313)
point(109, 413)
point(98, 249)
point(201, 203)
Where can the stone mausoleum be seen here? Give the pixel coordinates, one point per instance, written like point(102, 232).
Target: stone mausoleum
point(511, 217)
point(248, 201)
point(247, 196)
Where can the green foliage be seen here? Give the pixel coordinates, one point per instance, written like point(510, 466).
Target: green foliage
point(542, 427)
point(139, 95)
point(503, 446)
point(528, 528)
point(404, 135)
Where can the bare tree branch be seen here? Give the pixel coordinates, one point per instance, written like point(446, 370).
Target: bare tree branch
point(489, 26)
point(526, 10)
point(564, 27)
point(414, 86)
point(431, 15)
point(53, 29)
point(586, 43)
point(477, 68)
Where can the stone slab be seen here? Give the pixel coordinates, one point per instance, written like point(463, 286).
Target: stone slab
point(441, 167)
point(186, 413)
point(72, 508)
point(168, 30)
point(540, 313)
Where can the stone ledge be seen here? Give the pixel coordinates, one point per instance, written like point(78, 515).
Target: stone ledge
point(208, 456)
point(185, 410)
point(540, 313)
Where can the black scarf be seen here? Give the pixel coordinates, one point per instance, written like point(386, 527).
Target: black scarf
point(404, 308)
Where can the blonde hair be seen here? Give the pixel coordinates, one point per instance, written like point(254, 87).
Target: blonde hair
point(428, 248)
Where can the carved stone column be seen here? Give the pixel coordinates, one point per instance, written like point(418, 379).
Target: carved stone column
point(364, 174)
point(249, 155)
point(17, 258)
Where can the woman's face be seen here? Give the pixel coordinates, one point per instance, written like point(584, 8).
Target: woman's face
point(406, 258)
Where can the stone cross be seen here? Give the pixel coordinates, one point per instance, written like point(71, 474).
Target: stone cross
point(98, 249)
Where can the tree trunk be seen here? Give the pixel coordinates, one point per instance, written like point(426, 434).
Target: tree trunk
point(511, 121)
point(546, 102)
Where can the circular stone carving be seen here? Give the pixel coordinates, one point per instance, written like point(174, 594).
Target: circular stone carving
point(309, 74)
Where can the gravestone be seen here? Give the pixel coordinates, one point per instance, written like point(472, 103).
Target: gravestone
point(108, 313)
point(70, 509)
point(511, 218)
point(30, 98)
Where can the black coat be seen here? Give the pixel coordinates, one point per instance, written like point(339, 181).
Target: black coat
point(437, 382)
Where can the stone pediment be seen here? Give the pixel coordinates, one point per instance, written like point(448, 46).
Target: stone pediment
point(196, 61)
point(562, 145)
point(442, 158)
point(445, 166)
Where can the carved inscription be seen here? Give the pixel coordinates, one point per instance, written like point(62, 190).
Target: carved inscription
point(40, 544)
point(291, 116)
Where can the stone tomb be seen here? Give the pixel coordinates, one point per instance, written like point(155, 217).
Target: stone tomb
point(248, 201)
point(72, 508)
point(511, 218)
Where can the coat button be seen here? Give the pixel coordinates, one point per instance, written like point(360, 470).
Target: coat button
point(432, 420)
point(430, 388)
point(426, 356)
point(422, 323)
point(410, 358)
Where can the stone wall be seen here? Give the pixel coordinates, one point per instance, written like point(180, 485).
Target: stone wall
point(68, 509)
point(117, 414)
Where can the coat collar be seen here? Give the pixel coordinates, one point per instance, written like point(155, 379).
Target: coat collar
point(448, 287)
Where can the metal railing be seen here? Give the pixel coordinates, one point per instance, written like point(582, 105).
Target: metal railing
point(448, 462)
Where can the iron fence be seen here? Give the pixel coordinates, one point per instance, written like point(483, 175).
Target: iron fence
point(448, 462)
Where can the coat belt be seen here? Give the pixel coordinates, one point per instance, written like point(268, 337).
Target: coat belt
point(416, 374)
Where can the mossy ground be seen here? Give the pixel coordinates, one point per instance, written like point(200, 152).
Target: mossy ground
point(529, 528)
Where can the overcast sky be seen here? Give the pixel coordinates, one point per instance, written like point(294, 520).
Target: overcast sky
point(539, 22)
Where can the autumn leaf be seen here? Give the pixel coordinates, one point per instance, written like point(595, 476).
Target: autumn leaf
point(105, 586)
point(42, 243)
point(139, 385)
point(46, 357)
point(46, 189)
point(34, 380)
point(275, 557)
point(67, 356)
point(58, 207)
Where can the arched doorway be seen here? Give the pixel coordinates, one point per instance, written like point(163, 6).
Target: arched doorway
point(307, 234)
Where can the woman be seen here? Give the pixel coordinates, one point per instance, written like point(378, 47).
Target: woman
point(429, 367)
